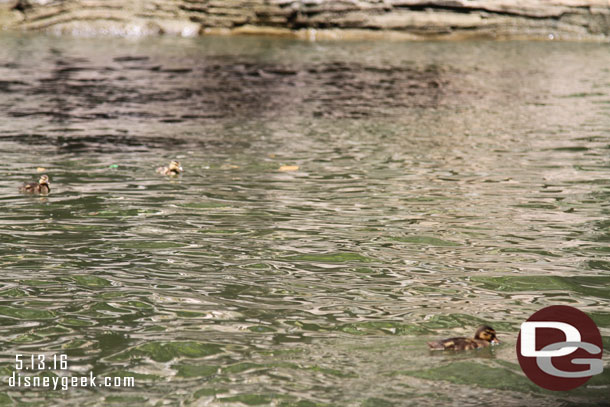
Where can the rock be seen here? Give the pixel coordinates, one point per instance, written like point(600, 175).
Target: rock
point(314, 19)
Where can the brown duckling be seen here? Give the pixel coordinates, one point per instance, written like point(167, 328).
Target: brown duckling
point(484, 337)
point(174, 168)
point(40, 187)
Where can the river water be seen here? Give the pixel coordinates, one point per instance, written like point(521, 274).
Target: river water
point(342, 203)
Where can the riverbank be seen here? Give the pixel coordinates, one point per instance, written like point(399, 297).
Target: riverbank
point(586, 20)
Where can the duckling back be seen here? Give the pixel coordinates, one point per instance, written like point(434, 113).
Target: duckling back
point(28, 188)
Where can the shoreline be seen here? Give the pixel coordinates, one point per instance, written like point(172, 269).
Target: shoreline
point(311, 20)
point(133, 30)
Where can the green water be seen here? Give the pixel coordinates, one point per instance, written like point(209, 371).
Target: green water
point(439, 186)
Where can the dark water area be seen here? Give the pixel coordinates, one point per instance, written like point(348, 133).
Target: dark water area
point(342, 204)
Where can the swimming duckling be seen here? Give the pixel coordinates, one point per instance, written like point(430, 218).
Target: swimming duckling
point(484, 337)
point(40, 187)
point(173, 169)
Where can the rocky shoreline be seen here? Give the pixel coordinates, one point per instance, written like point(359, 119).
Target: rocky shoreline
point(586, 20)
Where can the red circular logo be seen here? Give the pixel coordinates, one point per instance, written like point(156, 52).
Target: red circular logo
point(560, 348)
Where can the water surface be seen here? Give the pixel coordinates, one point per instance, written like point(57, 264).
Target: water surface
point(342, 204)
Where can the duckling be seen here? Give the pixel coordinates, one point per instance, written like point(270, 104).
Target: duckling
point(484, 337)
point(173, 169)
point(40, 187)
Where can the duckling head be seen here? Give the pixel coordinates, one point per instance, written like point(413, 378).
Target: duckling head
point(44, 179)
point(175, 166)
point(486, 333)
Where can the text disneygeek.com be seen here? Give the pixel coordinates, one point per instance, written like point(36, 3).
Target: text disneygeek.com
point(40, 363)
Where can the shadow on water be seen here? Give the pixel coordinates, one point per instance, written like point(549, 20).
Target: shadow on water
point(108, 143)
point(218, 88)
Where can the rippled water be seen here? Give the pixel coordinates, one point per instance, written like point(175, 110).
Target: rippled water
point(439, 186)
